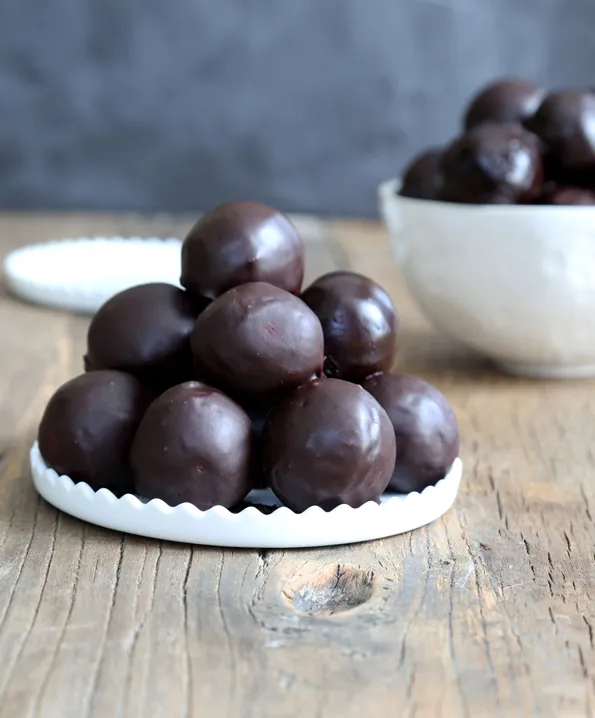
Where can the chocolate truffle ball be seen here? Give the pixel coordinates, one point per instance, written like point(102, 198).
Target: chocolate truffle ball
point(565, 121)
point(328, 443)
point(425, 429)
point(240, 242)
point(257, 339)
point(88, 426)
point(359, 324)
point(493, 164)
point(503, 101)
point(423, 176)
point(145, 331)
point(194, 445)
point(568, 196)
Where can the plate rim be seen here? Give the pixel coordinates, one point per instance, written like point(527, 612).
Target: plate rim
point(249, 528)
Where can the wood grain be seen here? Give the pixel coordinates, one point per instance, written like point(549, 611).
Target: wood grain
point(489, 611)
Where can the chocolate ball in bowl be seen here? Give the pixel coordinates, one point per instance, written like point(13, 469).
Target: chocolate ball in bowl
point(145, 331)
point(565, 122)
point(327, 443)
point(503, 101)
point(256, 341)
point(493, 164)
point(422, 178)
point(194, 444)
point(240, 242)
point(359, 324)
point(88, 426)
point(425, 429)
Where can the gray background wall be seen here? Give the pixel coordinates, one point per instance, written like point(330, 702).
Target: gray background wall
point(306, 104)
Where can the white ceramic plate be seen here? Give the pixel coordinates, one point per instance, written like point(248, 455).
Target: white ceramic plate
point(81, 274)
point(249, 528)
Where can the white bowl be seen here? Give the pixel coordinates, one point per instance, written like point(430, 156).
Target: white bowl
point(516, 283)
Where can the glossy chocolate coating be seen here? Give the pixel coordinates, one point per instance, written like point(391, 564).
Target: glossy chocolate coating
point(240, 242)
point(193, 444)
point(423, 176)
point(145, 331)
point(88, 425)
point(257, 339)
point(493, 164)
point(425, 429)
point(568, 196)
point(565, 121)
point(359, 324)
point(328, 443)
point(502, 102)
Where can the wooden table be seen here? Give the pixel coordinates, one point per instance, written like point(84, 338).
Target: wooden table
point(487, 612)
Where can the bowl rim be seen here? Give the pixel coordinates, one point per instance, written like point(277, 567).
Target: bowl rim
point(388, 190)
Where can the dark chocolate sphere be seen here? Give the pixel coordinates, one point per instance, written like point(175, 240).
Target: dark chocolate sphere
point(359, 324)
point(88, 426)
point(328, 443)
point(423, 176)
point(240, 242)
point(565, 121)
point(145, 331)
point(493, 164)
point(425, 428)
point(257, 339)
point(503, 101)
point(569, 196)
point(194, 445)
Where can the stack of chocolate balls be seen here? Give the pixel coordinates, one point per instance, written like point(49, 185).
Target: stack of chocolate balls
point(243, 380)
point(519, 146)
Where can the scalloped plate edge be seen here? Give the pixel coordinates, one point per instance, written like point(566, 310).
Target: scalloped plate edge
point(249, 528)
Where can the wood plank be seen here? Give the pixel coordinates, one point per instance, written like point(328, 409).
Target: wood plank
point(489, 611)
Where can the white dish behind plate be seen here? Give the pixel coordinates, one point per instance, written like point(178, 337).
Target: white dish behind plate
point(249, 528)
point(81, 274)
